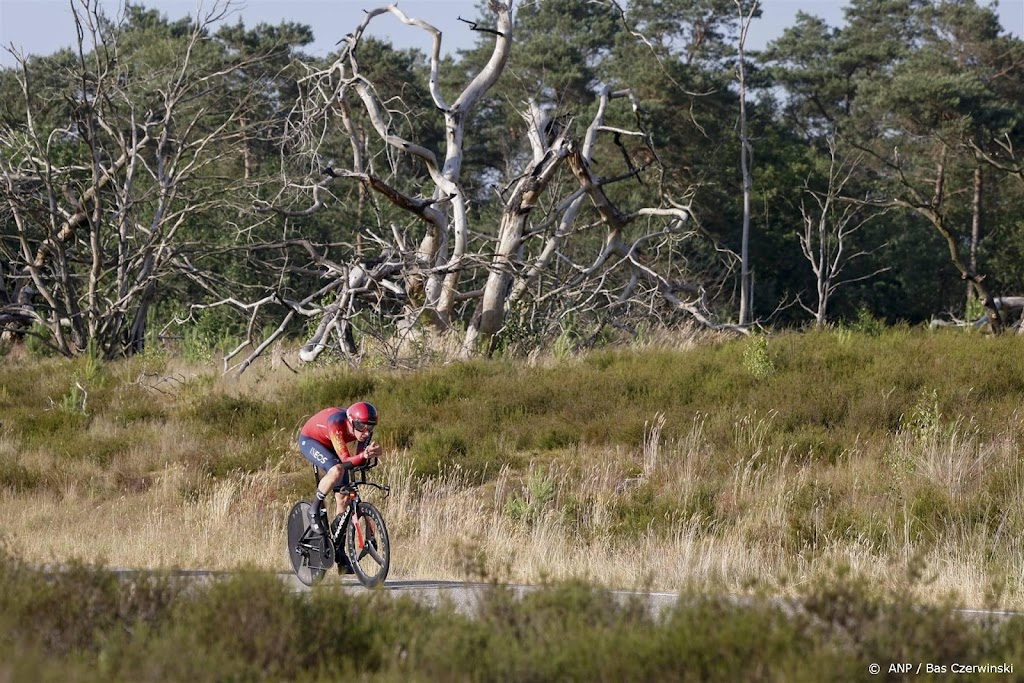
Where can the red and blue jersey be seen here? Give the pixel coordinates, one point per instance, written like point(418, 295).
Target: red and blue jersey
point(331, 428)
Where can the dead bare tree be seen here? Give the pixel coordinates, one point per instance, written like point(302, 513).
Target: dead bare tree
point(459, 280)
point(828, 232)
point(97, 202)
point(746, 150)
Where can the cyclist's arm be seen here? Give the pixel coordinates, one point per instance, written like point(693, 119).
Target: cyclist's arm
point(365, 452)
point(348, 460)
point(357, 460)
point(336, 430)
point(361, 456)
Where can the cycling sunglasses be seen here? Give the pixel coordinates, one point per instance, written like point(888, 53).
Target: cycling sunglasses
point(361, 426)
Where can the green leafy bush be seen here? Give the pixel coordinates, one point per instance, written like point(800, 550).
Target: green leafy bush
point(438, 450)
point(81, 623)
point(339, 389)
point(238, 416)
point(37, 341)
point(530, 504)
point(756, 359)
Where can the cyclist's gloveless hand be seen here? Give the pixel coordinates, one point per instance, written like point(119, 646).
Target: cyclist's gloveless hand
point(372, 451)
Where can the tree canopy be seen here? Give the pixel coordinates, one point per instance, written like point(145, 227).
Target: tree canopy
point(575, 175)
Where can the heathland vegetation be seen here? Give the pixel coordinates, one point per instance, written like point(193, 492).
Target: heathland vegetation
point(81, 624)
point(832, 479)
point(750, 464)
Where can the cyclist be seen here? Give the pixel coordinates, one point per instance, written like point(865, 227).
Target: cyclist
point(324, 441)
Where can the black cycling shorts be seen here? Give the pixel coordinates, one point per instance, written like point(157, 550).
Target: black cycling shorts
point(322, 456)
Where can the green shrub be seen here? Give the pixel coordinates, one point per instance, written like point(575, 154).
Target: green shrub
point(100, 449)
point(756, 359)
point(930, 512)
point(238, 416)
point(131, 406)
point(74, 607)
point(925, 419)
point(810, 443)
point(530, 504)
point(74, 401)
point(865, 323)
point(431, 391)
point(642, 511)
point(340, 390)
point(701, 508)
point(819, 515)
point(39, 341)
point(438, 450)
point(556, 437)
point(46, 427)
point(81, 623)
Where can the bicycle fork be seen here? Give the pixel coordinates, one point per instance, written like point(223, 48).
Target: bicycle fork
point(351, 513)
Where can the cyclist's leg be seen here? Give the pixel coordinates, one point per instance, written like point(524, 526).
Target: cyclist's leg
point(341, 490)
point(327, 460)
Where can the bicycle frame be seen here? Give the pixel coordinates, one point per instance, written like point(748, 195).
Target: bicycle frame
point(352, 501)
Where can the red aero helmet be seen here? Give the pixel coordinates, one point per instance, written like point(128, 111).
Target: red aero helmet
point(362, 413)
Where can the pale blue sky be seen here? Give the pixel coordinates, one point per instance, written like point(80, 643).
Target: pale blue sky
point(43, 26)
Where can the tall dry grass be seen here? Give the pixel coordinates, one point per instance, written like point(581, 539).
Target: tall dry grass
point(229, 526)
point(764, 523)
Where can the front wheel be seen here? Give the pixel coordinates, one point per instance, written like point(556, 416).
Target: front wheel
point(368, 546)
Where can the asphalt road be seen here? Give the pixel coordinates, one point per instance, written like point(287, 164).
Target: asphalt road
point(465, 595)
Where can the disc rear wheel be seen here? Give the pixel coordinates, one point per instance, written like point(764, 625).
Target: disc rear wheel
point(311, 554)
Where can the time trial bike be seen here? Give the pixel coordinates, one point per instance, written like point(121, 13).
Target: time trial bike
point(357, 540)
